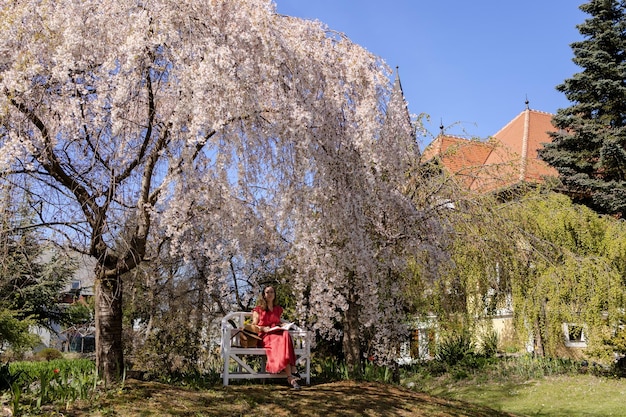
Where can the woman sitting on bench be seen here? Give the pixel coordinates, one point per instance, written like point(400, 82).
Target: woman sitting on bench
point(277, 343)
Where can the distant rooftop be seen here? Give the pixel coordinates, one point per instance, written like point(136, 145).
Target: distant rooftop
point(509, 157)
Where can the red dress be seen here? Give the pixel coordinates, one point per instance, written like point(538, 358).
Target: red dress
point(278, 344)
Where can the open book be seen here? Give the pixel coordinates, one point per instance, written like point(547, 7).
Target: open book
point(284, 326)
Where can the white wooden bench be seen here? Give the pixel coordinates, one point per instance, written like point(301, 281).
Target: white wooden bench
point(236, 363)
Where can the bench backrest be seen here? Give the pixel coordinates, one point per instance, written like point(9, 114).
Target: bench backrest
point(236, 320)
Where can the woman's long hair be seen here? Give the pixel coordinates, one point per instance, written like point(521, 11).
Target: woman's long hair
point(262, 301)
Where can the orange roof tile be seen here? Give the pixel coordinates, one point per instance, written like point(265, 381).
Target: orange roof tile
point(463, 158)
point(509, 158)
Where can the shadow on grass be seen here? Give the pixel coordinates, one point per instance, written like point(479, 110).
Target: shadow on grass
point(372, 399)
point(343, 398)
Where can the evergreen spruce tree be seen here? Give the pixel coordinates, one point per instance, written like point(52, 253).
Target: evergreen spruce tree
point(589, 149)
point(31, 276)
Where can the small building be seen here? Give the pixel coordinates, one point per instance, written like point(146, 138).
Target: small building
point(79, 289)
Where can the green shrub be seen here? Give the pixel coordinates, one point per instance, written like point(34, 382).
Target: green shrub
point(376, 373)
point(489, 344)
point(474, 361)
point(434, 368)
point(454, 348)
point(329, 368)
point(459, 373)
point(49, 354)
point(527, 367)
point(424, 376)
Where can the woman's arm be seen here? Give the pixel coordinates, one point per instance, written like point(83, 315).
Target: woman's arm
point(255, 322)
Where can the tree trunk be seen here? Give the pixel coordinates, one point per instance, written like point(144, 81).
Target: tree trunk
point(538, 348)
point(108, 306)
point(540, 330)
point(351, 339)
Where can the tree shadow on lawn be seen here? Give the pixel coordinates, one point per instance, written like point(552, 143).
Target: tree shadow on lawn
point(343, 398)
point(347, 398)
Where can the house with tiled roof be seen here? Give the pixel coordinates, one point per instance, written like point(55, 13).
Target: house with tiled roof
point(508, 158)
point(499, 164)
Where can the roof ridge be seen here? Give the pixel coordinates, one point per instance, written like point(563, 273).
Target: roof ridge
point(510, 122)
point(541, 112)
point(472, 139)
point(520, 114)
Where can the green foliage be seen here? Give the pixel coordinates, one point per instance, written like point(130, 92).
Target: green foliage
point(329, 368)
point(34, 384)
point(80, 312)
point(589, 149)
point(482, 261)
point(454, 348)
point(376, 373)
point(8, 378)
point(49, 354)
point(14, 332)
point(527, 367)
point(498, 370)
point(31, 370)
point(38, 290)
point(31, 277)
point(489, 344)
point(561, 262)
point(573, 273)
point(618, 341)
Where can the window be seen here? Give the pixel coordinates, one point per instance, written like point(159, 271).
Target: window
point(574, 335)
point(423, 343)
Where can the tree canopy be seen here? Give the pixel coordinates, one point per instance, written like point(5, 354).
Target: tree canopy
point(218, 131)
point(573, 272)
point(589, 148)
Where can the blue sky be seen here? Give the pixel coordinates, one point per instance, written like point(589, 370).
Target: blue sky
point(468, 64)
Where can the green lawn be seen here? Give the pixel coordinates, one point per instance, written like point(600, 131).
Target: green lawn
point(557, 396)
point(512, 387)
point(572, 396)
point(340, 398)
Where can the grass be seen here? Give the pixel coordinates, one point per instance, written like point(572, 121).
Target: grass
point(572, 396)
point(564, 395)
point(343, 398)
point(529, 387)
point(471, 388)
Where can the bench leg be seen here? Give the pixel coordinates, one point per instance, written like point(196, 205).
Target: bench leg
point(225, 374)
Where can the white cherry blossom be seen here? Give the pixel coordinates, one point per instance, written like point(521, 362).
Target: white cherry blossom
point(227, 129)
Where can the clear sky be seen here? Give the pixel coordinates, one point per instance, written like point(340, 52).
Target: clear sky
point(468, 64)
